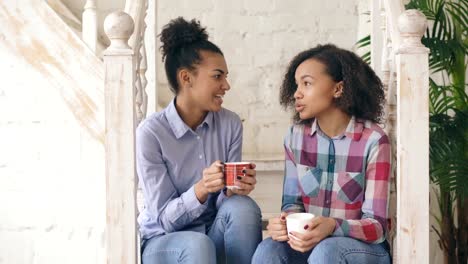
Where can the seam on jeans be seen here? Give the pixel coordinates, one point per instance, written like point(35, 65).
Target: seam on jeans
point(156, 251)
point(351, 251)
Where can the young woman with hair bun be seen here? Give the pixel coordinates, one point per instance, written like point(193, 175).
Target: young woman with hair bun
point(190, 216)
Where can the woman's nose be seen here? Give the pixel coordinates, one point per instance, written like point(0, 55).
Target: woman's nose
point(226, 85)
point(297, 94)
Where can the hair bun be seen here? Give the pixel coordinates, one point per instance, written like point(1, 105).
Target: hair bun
point(179, 32)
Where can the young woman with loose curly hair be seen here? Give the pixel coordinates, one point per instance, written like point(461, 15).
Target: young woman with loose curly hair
point(337, 163)
point(189, 215)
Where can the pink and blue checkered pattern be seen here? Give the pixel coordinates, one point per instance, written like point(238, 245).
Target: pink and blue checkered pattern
point(345, 177)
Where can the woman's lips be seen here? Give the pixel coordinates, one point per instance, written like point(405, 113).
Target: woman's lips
point(299, 107)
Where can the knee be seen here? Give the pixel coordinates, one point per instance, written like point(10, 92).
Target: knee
point(241, 206)
point(199, 246)
point(327, 249)
point(268, 251)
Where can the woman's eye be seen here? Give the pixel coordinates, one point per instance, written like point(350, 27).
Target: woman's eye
point(307, 83)
point(217, 76)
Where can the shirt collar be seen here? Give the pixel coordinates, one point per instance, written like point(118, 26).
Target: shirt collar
point(353, 130)
point(178, 126)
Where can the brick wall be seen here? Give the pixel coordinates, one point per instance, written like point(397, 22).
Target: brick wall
point(259, 38)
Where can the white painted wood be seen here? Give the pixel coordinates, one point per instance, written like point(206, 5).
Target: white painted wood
point(413, 141)
point(121, 188)
point(376, 37)
point(138, 10)
point(394, 8)
point(90, 27)
point(144, 82)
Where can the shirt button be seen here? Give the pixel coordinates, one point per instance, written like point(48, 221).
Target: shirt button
point(198, 137)
point(327, 201)
point(332, 161)
point(200, 156)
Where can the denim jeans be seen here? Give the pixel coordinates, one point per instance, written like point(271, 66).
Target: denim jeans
point(232, 238)
point(336, 250)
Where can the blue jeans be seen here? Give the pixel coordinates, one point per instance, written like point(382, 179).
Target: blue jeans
point(336, 250)
point(232, 238)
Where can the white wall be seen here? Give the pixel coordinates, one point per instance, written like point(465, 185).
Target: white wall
point(259, 38)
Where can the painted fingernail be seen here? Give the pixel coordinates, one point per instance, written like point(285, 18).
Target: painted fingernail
point(283, 218)
point(306, 226)
point(239, 177)
point(244, 171)
point(222, 163)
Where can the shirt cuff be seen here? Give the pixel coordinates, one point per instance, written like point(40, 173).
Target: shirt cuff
point(191, 203)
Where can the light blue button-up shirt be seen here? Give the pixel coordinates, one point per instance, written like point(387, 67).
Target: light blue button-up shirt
point(170, 160)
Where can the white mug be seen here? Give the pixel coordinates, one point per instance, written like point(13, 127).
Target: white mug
point(296, 221)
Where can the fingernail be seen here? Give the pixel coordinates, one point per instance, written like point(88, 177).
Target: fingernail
point(222, 163)
point(306, 226)
point(244, 171)
point(283, 218)
point(290, 233)
point(239, 177)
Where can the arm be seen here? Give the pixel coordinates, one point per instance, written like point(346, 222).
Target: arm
point(292, 195)
point(172, 211)
point(372, 227)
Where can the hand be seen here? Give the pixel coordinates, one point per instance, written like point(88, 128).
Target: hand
point(245, 183)
point(277, 228)
point(211, 182)
point(319, 228)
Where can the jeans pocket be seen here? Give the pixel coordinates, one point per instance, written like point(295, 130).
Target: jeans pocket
point(351, 186)
point(309, 178)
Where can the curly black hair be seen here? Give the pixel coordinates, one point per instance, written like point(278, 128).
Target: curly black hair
point(182, 42)
point(363, 94)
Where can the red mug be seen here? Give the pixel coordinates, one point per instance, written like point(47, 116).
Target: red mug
point(232, 170)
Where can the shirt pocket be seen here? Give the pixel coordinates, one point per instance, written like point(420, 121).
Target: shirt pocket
point(351, 186)
point(309, 179)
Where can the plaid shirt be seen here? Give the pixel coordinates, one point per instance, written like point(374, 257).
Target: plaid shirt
point(345, 177)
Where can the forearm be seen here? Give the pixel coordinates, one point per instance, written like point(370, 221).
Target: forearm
point(181, 211)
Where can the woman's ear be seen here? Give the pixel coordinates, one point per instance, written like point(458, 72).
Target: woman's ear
point(185, 78)
point(338, 92)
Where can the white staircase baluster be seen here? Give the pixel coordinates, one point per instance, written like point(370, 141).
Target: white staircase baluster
point(122, 244)
point(413, 141)
point(144, 81)
point(138, 10)
point(89, 28)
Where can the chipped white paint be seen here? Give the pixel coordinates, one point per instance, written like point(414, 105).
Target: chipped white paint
point(121, 228)
point(412, 241)
point(52, 185)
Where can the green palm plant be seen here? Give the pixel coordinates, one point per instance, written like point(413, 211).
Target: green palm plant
point(446, 37)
